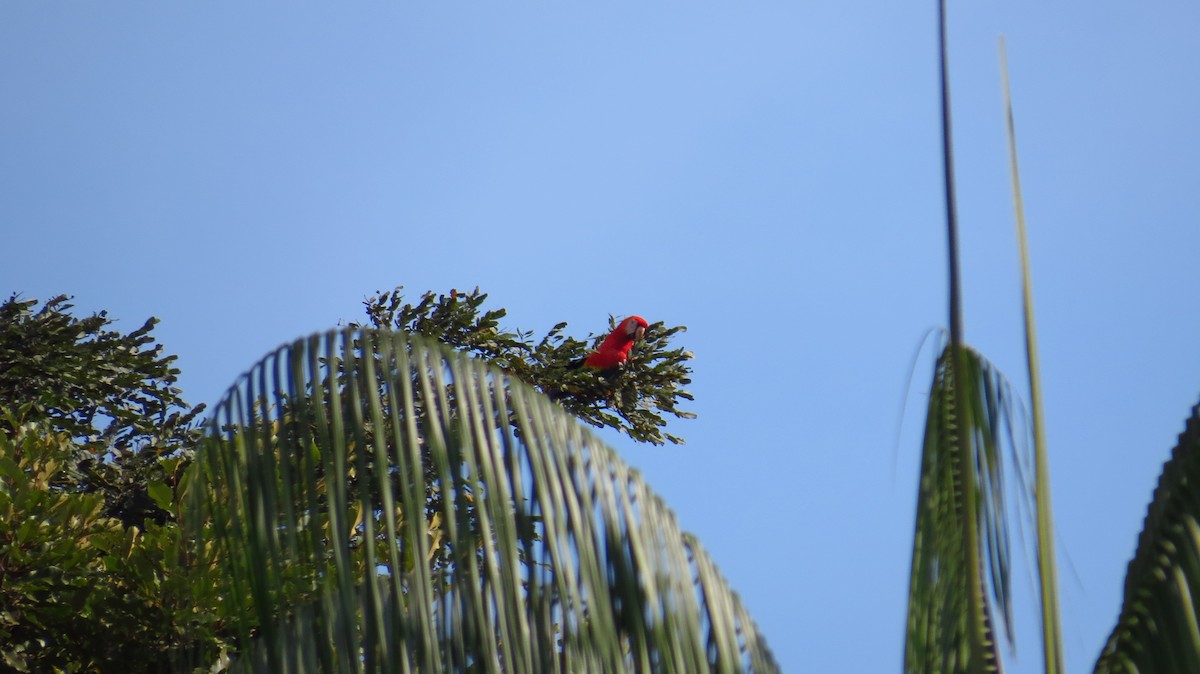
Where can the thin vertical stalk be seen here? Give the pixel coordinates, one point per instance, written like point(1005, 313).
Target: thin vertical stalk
point(1047, 570)
point(965, 448)
point(956, 320)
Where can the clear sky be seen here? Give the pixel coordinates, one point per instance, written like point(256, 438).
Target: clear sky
point(765, 172)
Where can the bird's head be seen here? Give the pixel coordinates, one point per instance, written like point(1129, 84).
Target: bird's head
point(634, 328)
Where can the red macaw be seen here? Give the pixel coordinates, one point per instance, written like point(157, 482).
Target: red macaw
point(614, 350)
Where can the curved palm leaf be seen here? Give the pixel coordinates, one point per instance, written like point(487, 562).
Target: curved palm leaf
point(1159, 629)
point(378, 503)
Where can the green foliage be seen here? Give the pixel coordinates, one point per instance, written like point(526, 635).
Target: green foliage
point(634, 399)
point(1158, 629)
point(80, 592)
point(98, 385)
point(98, 438)
point(961, 546)
point(113, 393)
point(543, 551)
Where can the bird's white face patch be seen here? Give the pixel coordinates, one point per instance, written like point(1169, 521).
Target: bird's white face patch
point(633, 329)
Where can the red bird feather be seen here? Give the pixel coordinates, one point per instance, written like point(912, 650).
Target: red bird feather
point(614, 350)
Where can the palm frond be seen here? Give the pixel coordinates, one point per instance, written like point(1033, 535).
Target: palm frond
point(945, 631)
point(378, 503)
point(1158, 629)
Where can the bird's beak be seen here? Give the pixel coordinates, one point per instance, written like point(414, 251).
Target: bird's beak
point(639, 333)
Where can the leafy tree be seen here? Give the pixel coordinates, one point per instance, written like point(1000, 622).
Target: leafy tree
point(112, 393)
point(79, 591)
point(98, 385)
point(635, 399)
point(98, 438)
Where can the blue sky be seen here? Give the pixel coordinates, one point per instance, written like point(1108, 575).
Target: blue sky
point(766, 173)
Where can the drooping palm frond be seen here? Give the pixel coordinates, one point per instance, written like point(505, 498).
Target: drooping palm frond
point(1158, 629)
point(381, 504)
point(945, 632)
